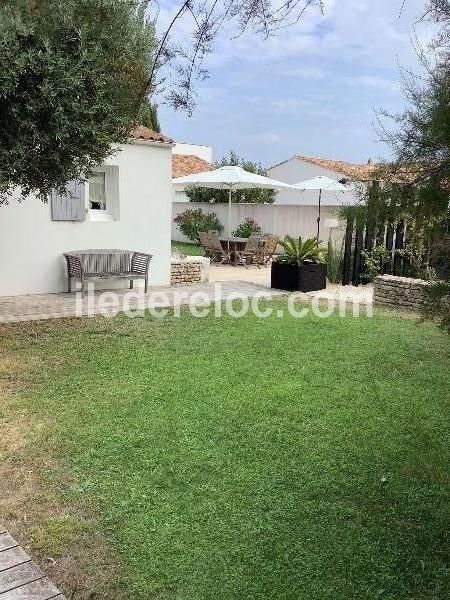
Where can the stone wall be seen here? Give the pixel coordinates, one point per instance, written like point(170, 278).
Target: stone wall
point(185, 271)
point(399, 291)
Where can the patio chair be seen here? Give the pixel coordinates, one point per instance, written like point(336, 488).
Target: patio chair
point(218, 253)
point(270, 243)
point(205, 243)
point(252, 251)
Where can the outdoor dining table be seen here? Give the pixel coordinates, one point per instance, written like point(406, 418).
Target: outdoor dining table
point(233, 244)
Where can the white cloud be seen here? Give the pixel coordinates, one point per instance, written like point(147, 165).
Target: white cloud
point(379, 83)
point(350, 30)
point(317, 83)
point(306, 72)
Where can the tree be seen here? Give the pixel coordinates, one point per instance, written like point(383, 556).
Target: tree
point(418, 181)
point(148, 115)
point(419, 177)
point(76, 76)
point(256, 196)
point(71, 77)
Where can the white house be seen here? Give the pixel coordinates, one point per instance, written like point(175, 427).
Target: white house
point(298, 168)
point(125, 204)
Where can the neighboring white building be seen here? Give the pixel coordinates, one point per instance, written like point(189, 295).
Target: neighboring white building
point(203, 152)
point(298, 168)
point(125, 204)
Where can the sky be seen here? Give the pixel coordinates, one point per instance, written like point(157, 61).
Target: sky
point(315, 89)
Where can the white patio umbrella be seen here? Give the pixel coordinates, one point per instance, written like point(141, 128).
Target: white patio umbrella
point(322, 183)
point(231, 179)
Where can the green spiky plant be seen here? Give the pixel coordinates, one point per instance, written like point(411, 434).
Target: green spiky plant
point(298, 252)
point(334, 263)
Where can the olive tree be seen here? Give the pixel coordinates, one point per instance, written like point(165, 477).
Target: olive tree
point(76, 75)
point(71, 79)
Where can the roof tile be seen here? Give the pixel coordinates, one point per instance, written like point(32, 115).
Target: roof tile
point(357, 172)
point(144, 133)
point(184, 164)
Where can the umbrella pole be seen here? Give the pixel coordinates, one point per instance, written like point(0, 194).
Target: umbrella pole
point(229, 218)
point(318, 217)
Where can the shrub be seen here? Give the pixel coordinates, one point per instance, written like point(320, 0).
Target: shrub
point(193, 220)
point(373, 262)
point(334, 263)
point(436, 306)
point(246, 228)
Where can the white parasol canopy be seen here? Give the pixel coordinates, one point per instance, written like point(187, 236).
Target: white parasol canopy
point(229, 178)
point(322, 183)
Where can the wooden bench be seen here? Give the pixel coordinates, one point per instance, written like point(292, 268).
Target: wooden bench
point(107, 264)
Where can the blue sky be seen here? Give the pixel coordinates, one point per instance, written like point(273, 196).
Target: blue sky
point(312, 90)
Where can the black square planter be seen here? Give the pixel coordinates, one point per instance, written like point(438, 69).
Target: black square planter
point(305, 278)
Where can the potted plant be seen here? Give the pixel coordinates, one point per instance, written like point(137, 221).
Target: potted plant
point(300, 268)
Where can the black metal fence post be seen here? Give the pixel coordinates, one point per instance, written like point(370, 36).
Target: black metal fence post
point(359, 240)
point(389, 245)
point(399, 236)
point(346, 263)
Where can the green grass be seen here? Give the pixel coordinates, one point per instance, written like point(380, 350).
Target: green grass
point(188, 249)
point(244, 458)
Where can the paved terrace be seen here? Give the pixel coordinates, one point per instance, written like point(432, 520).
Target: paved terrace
point(241, 281)
point(20, 577)
point(52, 306)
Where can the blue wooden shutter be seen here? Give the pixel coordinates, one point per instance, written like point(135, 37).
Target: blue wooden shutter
point(69, 206)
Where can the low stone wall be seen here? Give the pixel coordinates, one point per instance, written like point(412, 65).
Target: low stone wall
point(188, 270)
point(399, 291)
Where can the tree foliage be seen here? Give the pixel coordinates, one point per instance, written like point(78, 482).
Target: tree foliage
point(436, 305)
point(71, 80)
point(148, 115)
point(198, 23)
point(256, 196)
point(77, 75)
point(420, 174)
point(418, 181)
point(299, 251)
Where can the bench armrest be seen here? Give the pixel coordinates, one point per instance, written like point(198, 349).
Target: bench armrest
point(74, 266)
point(140, 263)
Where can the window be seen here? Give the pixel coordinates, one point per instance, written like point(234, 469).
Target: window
point(103, 194)
point(97, 191)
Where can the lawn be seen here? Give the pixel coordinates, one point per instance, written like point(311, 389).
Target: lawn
point(188, 249)
point(196, 459)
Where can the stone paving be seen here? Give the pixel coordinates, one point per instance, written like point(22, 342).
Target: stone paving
point(20, 577)
point(261, 276)
point(224, 281)
point(53, 306)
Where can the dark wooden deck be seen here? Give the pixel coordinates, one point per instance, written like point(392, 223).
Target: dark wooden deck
point(20, 577)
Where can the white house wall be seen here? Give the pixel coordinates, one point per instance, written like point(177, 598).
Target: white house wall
point(294, 171)
point(31, 244)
